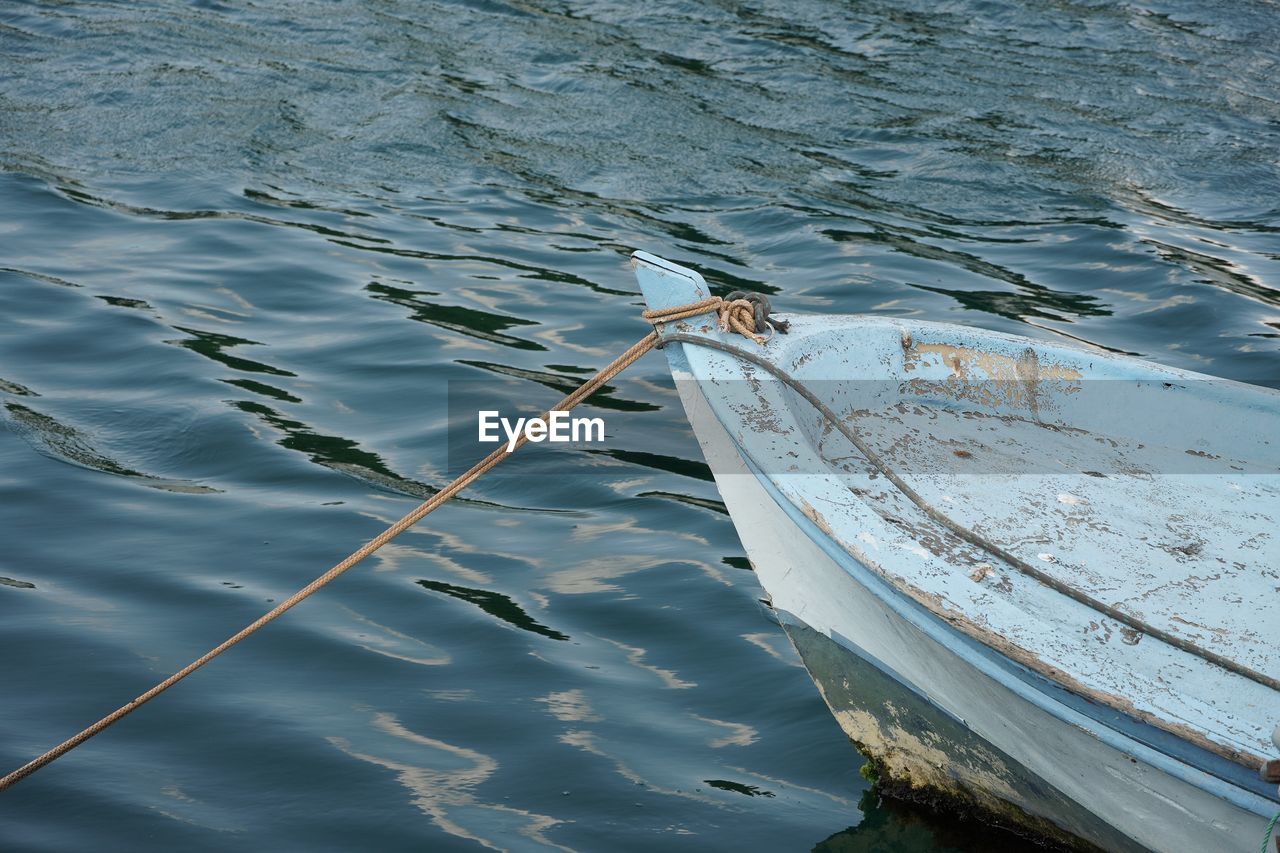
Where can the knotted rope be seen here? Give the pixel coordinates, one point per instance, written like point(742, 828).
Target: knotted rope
point(737, 321)
point(747, 314)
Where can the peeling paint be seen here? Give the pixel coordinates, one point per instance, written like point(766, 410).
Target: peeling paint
point(940, 606)
point(967, 362)
point(988, 378)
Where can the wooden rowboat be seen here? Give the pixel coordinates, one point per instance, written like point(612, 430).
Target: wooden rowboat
point(1032, 580)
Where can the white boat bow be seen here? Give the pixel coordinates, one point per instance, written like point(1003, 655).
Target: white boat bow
point(1031, 579)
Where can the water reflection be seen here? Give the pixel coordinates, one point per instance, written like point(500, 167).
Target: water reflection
point(442, 779)
point(495, 604)
point(739, 788)
point(387, 641)
point(335, 452)
point(1218, 272)
point(1032, 302)
point(1029, 300)
point(485, 325)
point(67, 444)
point(570, 706)
point(892, 825)
point(214, 345)
point(659, 462)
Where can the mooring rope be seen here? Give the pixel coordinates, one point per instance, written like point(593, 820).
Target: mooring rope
point(746, 314)
point(731, 314)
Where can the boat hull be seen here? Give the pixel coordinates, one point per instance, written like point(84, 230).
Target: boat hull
point(917, 751)
point(928, 708)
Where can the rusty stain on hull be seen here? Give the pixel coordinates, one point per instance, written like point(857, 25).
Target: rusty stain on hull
point(990, 379)
point(916, 752)
point(972, 363)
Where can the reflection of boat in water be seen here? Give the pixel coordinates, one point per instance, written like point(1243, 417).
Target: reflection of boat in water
point(1032, 580)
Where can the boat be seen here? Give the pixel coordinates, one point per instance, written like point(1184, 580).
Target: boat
point(1036, 583)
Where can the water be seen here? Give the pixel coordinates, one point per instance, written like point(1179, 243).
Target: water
point(247, 247)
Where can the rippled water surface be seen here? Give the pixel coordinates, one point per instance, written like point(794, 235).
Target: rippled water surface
point(245, 248)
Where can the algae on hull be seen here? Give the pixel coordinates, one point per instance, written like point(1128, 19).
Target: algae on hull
point(918, 752)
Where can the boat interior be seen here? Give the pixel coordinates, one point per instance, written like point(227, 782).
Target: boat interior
point(1081, 513)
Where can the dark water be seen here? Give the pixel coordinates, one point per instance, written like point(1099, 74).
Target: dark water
point(244, 248)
